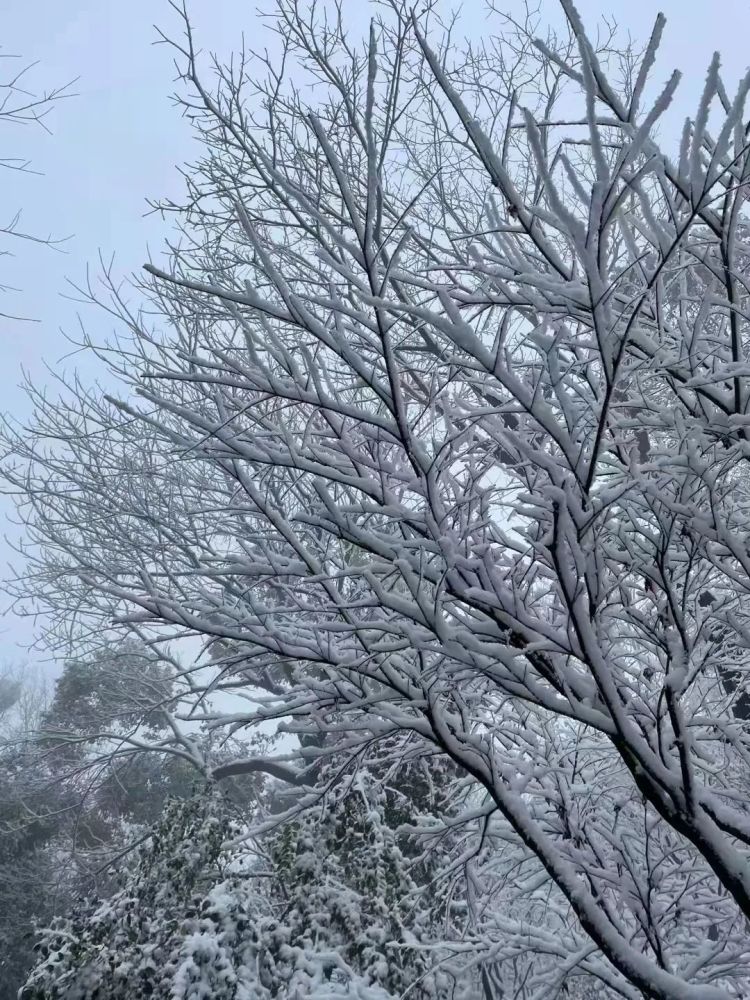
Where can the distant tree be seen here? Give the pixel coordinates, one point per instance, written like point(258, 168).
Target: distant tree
point(32, 883)
point(70, 806)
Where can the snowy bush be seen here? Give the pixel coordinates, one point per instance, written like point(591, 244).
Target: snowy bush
point(192, 922)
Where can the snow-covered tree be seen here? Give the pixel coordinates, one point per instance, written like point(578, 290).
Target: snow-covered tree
point(346, 888)
point(323, 914)
point(32, 882)
point(66, 810)
point(128, 945)
point(433, 431)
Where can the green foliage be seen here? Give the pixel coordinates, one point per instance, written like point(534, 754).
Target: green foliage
point(118, 686)
point(163, 926)
point(346, 888)
point(332, 913)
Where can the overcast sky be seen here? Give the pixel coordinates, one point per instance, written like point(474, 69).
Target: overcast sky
point(120, 139)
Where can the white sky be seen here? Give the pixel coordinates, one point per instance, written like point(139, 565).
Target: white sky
point(118, 141)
